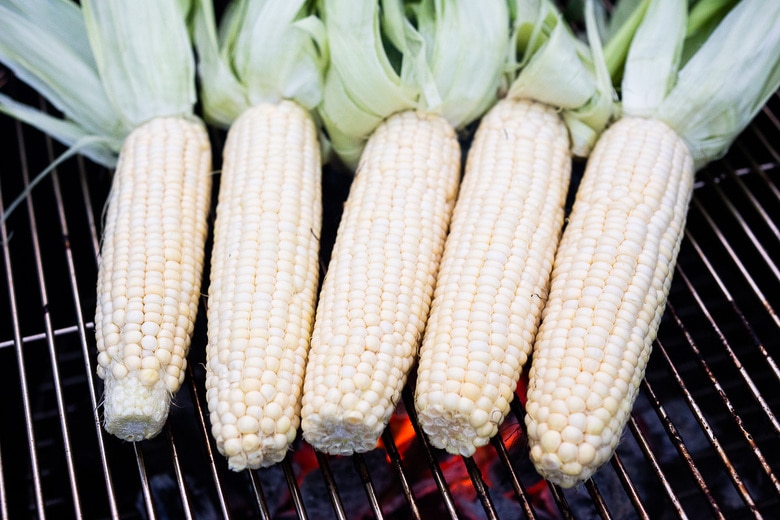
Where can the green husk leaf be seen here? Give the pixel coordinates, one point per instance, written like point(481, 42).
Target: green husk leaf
point(727, 81)
point(704, 13)
point(431, 55)
point(466, 75)
point(654, 57)
point(619, 31)
point(550, 65)
point(703, 17)
point(101, 149)
point(78, 147)
point(264, 51)
point(706, 74)
point(143, 53)
point(60, 19)
point(53, 63)
point(222, 96)
point(108, 66)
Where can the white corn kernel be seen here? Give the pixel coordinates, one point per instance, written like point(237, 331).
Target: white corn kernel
point(264, 276)
point(494, 274)
point(387, 250)
point(141, 251)
point(624, 243)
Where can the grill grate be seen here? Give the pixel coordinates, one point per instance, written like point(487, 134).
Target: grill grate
point(703, 440)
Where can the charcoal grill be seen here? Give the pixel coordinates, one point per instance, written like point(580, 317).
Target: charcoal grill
point(703, 440)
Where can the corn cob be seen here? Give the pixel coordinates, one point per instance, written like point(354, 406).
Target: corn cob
point(494, 274)
point(150, 270)
point(610, 280)
point(377, 291)
point(264, 277)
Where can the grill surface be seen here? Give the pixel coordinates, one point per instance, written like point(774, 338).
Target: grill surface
point(703, 441)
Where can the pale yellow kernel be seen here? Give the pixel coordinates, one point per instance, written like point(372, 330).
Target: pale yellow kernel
point(247, 424)
point(568, 452)
point(172, 383)
point(550, 441)
point(572, 468)
point(536, 452)
point(353, 417)
point(254, 398)
point(250, 442)
point(132, 337)
point(150, 328)
point(112, 338)
point(557, 421)
point(587, 454)
point(571, 434)
point(466, 406)
point(104, 359)
point(349, 401)
point(471, 391)
point(284, 424)
point(596, 422)
point(134, 316)
point(150, 363)
point(232, 447)
point(163, 356)
point(486, 431)
point(149, 377)
point(119, 370)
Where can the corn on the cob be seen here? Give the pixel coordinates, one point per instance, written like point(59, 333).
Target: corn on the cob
point(264, 277)
point(377, 291)
point(150, 269)
point(611, 277)
point(494, 274)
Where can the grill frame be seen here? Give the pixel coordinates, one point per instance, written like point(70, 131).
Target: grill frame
point(703, 444)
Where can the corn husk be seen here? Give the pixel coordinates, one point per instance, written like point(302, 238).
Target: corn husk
point(389, 56)
point(706, 79)
point(262, 51)
point(104, 88)
point(549, 64)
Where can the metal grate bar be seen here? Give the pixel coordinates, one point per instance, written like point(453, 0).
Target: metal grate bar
point(365, 477)
point(17, 334)
point(82, 327)
point(257, 488)
point(598, 499)
point(185, 498)
point(295, 492)
point(731, 354)
point(3, 499)
point(204, 432)
point(736, 259)
point(678, 442)
point(68, 451)
point(747, 230)
point(433, 464)
point(33, 338)
point(35, 471)
point(520, 492)
point(754, 202)
point(145, 487)
point(708, 431)
point(479, 486)
point(644, 445)
point(330, 483)
point(560, 500)
point(740, 315)
point(397, 462)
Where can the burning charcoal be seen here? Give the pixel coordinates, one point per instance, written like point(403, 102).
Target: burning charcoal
point(167, 499)
point(275, 490)
point(316, 497)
